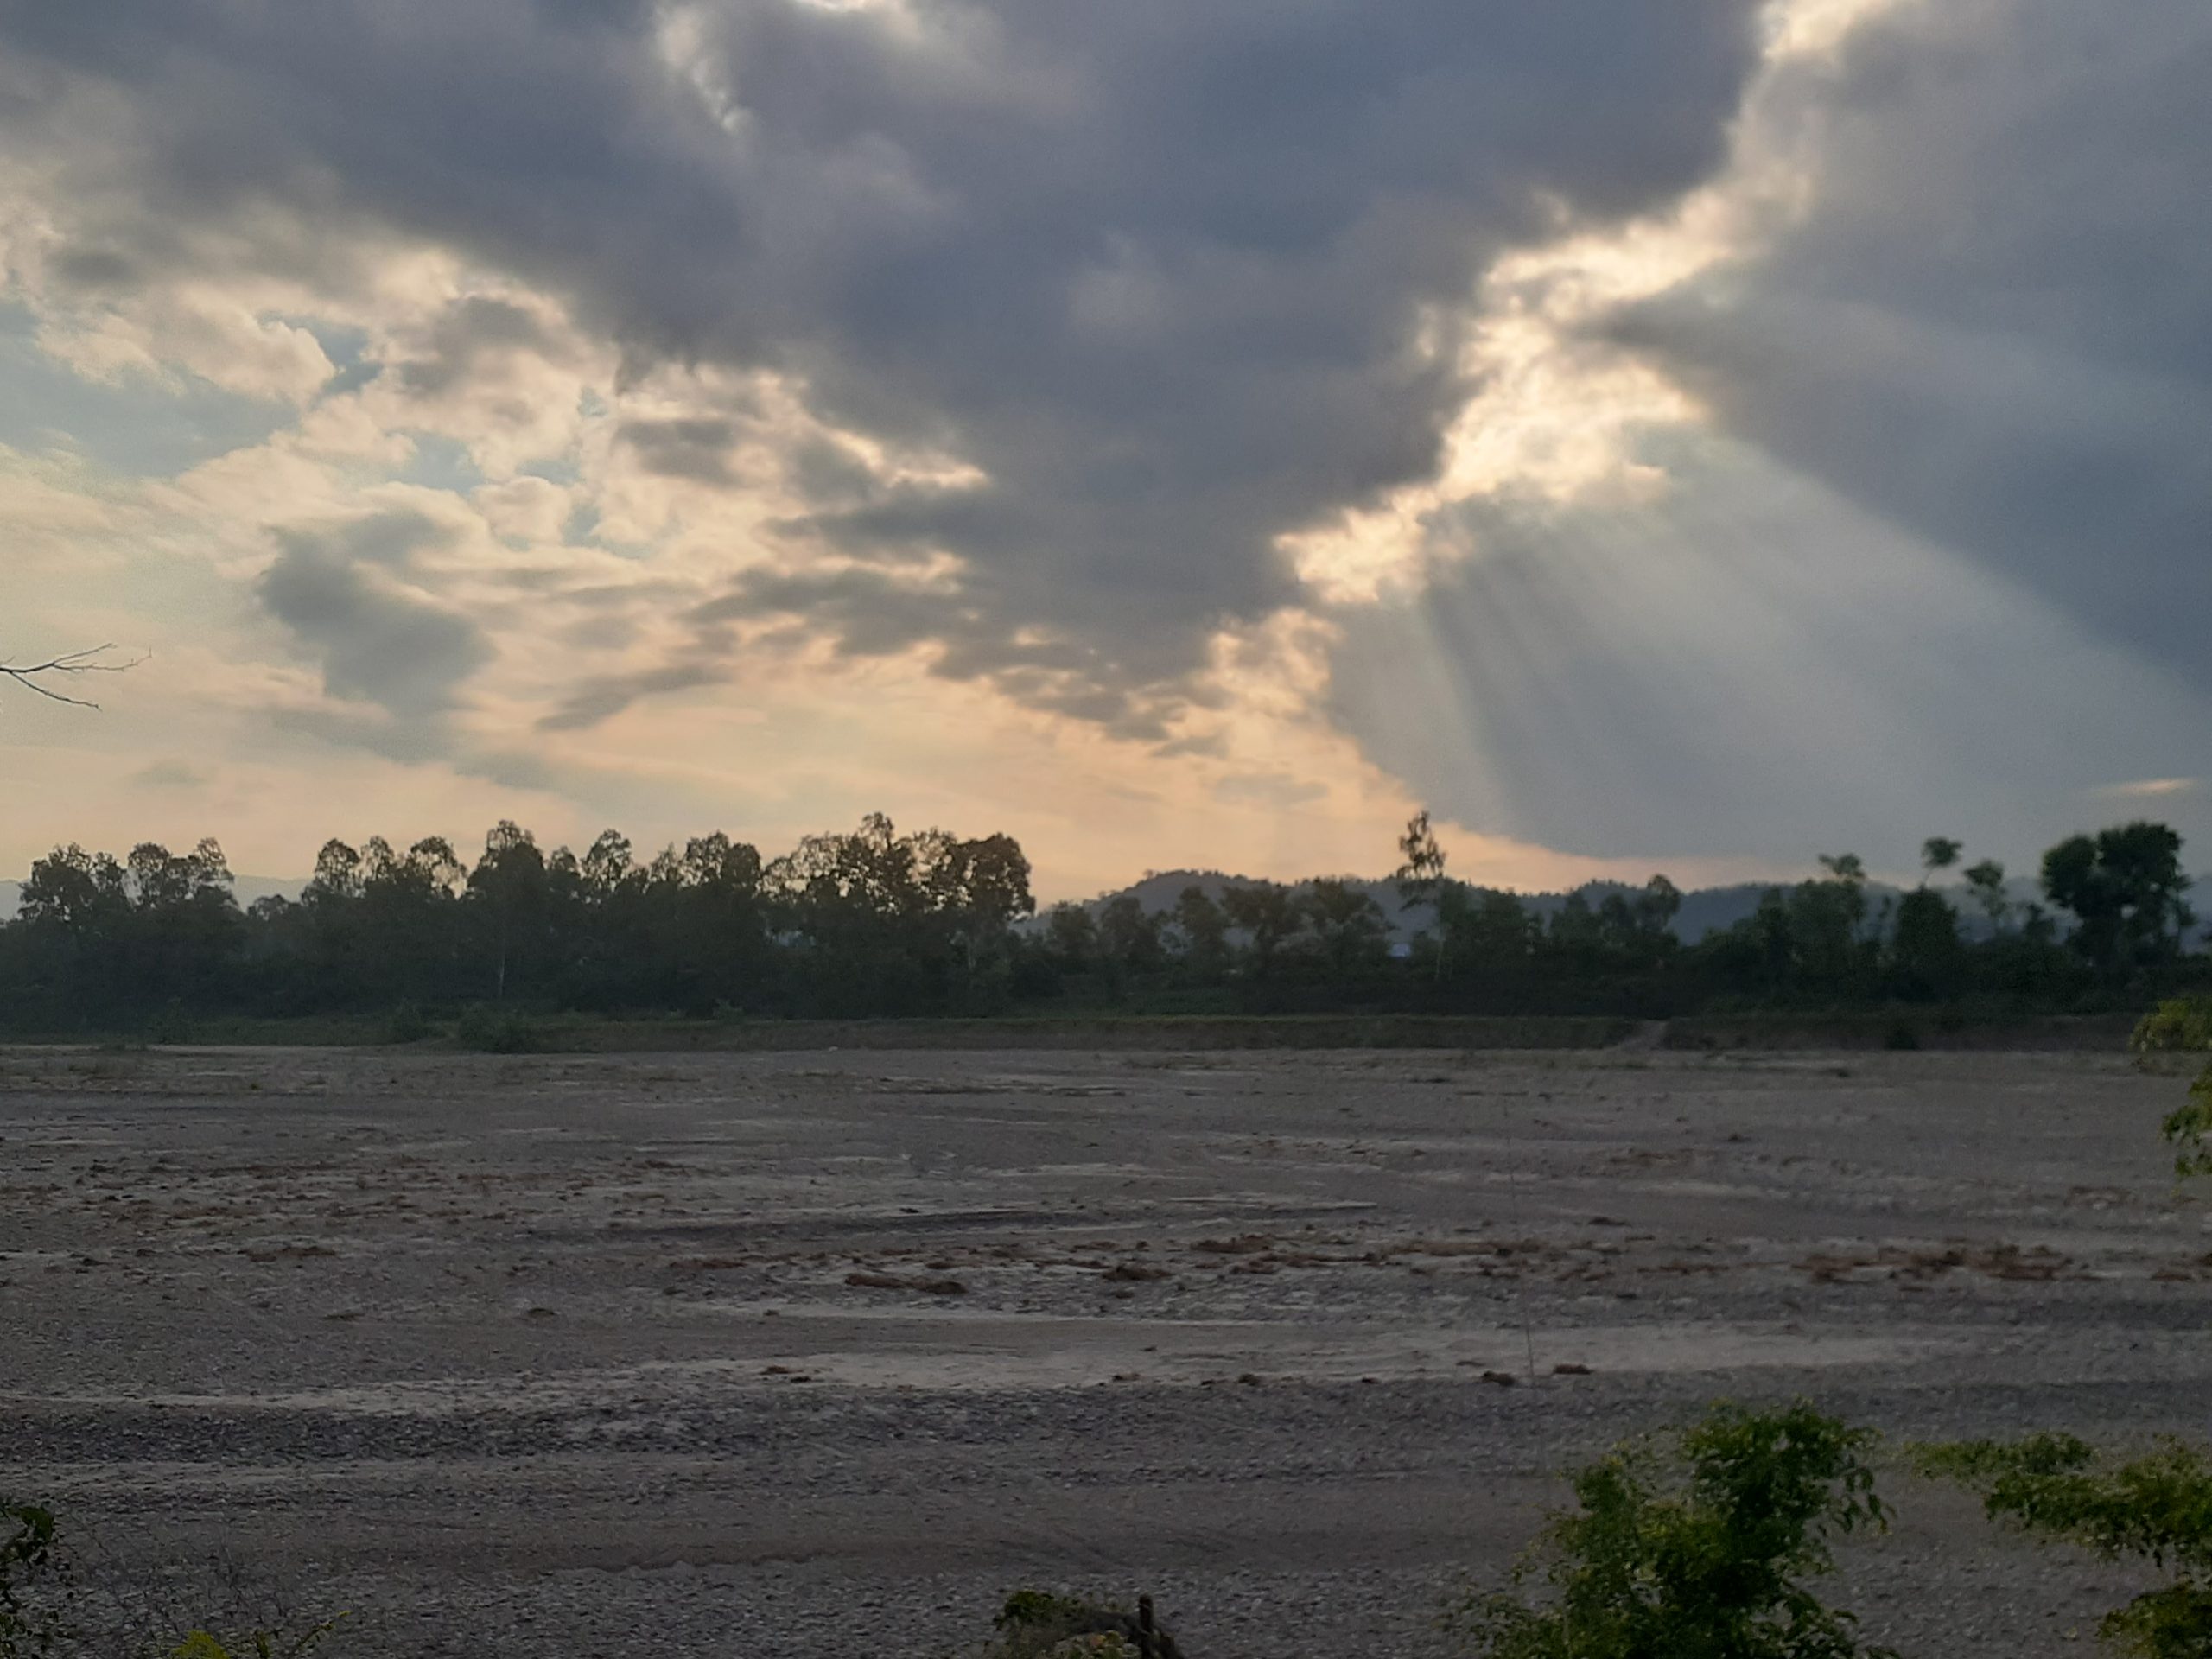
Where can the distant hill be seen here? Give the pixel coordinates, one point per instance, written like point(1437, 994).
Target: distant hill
point(1704, 910)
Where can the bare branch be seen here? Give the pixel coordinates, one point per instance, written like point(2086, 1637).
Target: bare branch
point(71, 664)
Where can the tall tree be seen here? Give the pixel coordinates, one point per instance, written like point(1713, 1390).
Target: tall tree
point(1202, 933)
point(509, 883)
point(1421, 879)
point(1638, 929)
point(1270, 917)
point(2125, 888)
point(1128, 936)
point(1073, 933)
point(1986, 880)
point(1350, 927)
point(1924, 948)
point(72, 890)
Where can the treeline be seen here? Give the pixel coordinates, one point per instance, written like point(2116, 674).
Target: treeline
point(2109, 932)
point(871, 922)
point(875, 923)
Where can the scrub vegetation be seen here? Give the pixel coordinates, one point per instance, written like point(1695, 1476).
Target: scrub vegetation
point(1704, 1544)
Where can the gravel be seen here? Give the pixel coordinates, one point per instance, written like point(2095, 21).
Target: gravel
point(647, 1355)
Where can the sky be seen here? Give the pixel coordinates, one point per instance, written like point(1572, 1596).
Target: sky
point(1683, 435)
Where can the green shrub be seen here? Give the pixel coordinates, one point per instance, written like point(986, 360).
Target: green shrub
point(1692, 1547)
point(2158, 1508)
point(2188, 1129)
point(501, 1031)
point(405, 1024)
point(29, 1564)
point(255, 1645)
point(2181, 1023)
point(1039, 1624)
point(48, 1611)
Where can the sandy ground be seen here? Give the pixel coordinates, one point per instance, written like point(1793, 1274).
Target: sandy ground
point(820, 1354)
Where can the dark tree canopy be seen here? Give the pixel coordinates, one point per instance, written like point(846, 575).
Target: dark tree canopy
point(2125, 885)
point(877, 921)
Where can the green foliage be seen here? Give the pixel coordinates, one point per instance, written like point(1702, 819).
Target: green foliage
point(880, 923)
point(2125, 884)
point(1270, 917)
point(1694, 1549)
point(2184, 1024)
point(2157, 1507)
point(1926, 956)
point(1986, 881)
point(254, 1644)
point(502, 1031)
point(42, 1602)
point(2188, 1129)
point(1420, 879)
point(2179, 1023)
point(1039, 1610)
point(1349, 932)
point(27, 1562)
point(1039, 1624)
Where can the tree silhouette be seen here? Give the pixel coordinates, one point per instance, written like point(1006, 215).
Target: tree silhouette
point(877, 923)
point(1202, 931)
point(1420, 877)
point(1269, 915)
point(2125, 884)
point(1987, 880)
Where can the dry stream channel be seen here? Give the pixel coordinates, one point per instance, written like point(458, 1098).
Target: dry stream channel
point(820, 1354)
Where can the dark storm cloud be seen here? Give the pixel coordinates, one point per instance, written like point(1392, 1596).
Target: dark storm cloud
point(377, 641)
point(1995, 324)
point(1155, 269)
point(100, 269)
point(696, 448)
point(869, 612)
point(606, 696)
point(463, 335)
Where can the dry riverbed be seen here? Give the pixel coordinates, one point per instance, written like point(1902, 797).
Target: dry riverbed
point(820, 1353)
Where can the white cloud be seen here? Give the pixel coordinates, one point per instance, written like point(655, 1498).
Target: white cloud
point(1136, 392)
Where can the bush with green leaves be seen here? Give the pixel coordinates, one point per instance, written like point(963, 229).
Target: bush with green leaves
point(1039, 1624)
point(2182, 1025)
point(1694, 1546)
point(502, 1031)
point(2157, 1507)
point(2188, 1129)
point(31, 1569)
point(254, 1644)
point(58, 1602)
point(2179, 1023)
